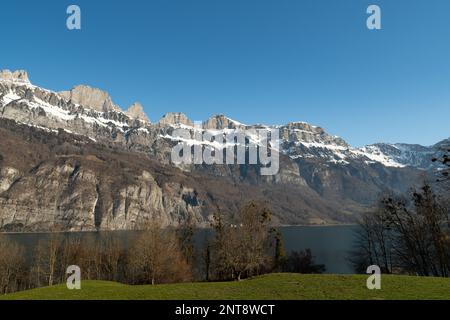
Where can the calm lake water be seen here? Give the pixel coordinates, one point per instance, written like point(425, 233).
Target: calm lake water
point(330, 245)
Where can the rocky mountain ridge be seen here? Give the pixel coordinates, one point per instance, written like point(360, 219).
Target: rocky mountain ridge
point(84, 107)
point(322, 179)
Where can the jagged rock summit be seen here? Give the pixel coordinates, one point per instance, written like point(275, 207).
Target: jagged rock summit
point(94, 98)
point(175, 118)
point(220, 122)
point(19, 76)
point(84, 95)
point(136, 111)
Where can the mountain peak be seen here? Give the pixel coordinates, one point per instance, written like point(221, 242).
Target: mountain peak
point(305, 133)
point(18, 75)
point(136, 111)
point(300, 125)
point(220, 122)
point(175, 118)
point(93, 98)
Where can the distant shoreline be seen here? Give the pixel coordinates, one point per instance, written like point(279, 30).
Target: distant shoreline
point(318, 225)
point(202, 228)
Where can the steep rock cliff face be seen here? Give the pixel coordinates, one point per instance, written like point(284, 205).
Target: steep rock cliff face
point(95, 98)
point(175, 118)
point(136, 111)
point(59, 180)
point(53, 194)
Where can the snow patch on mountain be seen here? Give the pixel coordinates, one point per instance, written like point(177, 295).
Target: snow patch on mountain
point(9, 97)
point(374, 155)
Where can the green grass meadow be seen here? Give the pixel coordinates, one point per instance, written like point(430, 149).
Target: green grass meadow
point(267, 287)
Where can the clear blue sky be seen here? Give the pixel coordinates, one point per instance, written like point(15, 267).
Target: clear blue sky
point(257, 61)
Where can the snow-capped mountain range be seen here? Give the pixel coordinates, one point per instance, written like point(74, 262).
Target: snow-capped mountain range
point(91, 112)
point(77, 160)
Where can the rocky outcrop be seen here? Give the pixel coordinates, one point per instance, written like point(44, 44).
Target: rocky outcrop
point(175, 118)
point(136, 111)
point(8, 176)
point(306, 133)
point(93, 98)
point(17, 76)
point(220, 122)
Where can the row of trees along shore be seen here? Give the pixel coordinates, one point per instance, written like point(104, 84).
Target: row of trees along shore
point(245, 247)
point(409, 234)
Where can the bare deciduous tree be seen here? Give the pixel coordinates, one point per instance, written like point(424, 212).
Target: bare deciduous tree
point(12, 266)
point(111, 257)
point(410, 237)
point(47, 259)
point(156, 257)
point(242, 248)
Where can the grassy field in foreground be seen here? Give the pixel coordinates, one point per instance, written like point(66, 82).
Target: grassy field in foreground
point(273, 286)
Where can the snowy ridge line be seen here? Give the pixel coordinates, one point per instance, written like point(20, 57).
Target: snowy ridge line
point(298, 140)
point(20, 84)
